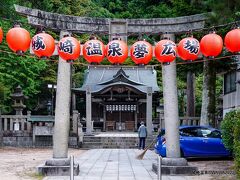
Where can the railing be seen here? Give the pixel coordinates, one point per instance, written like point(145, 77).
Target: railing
point(192, 121)
point(20, 123)
point(183, 121)
point(23, 123)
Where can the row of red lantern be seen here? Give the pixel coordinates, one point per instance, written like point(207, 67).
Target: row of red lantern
point(94, 51)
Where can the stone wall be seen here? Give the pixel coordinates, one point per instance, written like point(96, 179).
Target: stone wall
point(18, 141)
point(40, 141)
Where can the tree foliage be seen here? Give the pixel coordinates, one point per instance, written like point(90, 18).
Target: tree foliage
point(231, 135)
point(19, 70)
point(34, 74)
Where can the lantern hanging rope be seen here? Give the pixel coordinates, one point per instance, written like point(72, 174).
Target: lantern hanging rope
point(211, 45)
point(155, 65)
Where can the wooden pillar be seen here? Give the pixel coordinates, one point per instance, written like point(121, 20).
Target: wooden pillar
point(135, 119)
point(190, 94)
point(1, 130)
point(104, 118)
point(1, 124)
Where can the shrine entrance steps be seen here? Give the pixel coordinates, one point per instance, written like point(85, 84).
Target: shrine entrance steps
point(113, 140)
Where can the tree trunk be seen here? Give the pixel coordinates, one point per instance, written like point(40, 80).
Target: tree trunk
point(1, 131)
point(208, 94)
point(212, 94)
point(190, 94)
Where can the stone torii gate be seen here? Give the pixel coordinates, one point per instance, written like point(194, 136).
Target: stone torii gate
point(66, 24)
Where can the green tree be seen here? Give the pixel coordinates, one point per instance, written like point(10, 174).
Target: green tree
point(17, 70)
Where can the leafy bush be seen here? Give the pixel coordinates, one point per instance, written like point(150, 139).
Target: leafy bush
point(236, 147)
point(231, 136)
point(227, 127)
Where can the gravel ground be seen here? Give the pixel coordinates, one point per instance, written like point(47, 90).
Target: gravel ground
point(21, 163)
point(217, 168)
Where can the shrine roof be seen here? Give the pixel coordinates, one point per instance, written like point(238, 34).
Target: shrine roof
point(98, 78)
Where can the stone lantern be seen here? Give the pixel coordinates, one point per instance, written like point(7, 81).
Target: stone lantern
point(18, 99)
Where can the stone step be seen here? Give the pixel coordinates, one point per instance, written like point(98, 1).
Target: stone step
point(89, 138)
point(93, 142)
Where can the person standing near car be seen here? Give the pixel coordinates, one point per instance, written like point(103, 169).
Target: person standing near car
point(142, 134)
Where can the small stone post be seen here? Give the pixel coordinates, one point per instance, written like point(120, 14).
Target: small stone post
point(29, 124)
point(88, 111)
point(149, 111)
point(75, 121)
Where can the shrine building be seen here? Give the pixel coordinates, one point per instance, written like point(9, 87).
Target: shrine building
point(118, 98)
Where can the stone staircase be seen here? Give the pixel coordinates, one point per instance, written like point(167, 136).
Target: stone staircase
point(112, 142)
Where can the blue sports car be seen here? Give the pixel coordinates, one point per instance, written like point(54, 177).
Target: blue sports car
point(196, 141)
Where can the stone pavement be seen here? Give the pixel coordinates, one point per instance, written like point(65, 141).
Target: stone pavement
point(118, 164)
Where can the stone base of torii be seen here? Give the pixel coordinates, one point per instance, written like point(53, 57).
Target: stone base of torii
point(60, 163)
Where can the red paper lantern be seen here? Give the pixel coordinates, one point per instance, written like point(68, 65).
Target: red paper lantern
point(69, 48)
point(141, 52)
point(188, 48)
point(1, 35)
point(211, 45)
point(18, 39)
point(117, 51)
point(93, 51)
point(43, 45)
point(232, 41)
point(165, 51)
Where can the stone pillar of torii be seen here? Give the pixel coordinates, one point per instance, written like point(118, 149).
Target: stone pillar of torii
point(120, 28)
